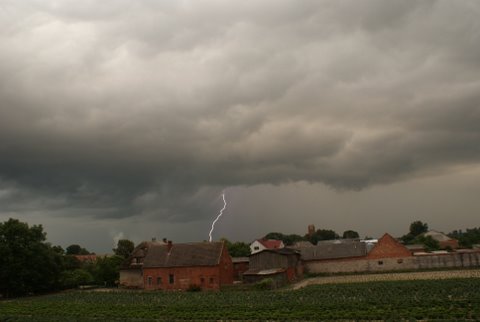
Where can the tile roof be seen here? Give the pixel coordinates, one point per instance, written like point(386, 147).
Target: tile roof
point(271, 243)
point(183, 255)
point(333, 251)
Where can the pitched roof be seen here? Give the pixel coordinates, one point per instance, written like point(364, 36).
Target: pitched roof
point(182, 255)
point(280, 251)
point(301, 244)
point(388, 247)
point(271, 243)
point(438, 236)
point(135, 260)
point(333, 251)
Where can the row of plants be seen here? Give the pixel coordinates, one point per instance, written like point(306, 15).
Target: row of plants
point(446, 299)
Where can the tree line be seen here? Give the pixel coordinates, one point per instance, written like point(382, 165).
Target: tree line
point(30, 265)
point(415, 235)
point(314, 238)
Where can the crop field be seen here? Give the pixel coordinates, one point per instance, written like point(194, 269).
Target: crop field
point(453, 299)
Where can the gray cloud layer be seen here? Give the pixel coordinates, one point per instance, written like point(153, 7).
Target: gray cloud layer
point(123, 108)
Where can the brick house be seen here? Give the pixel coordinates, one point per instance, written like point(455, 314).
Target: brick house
point(179, 266)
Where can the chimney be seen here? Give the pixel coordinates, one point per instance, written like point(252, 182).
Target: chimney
point(169, 246)
point(164, 241)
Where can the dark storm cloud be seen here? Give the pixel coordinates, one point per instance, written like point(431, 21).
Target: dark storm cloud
point(126, 108)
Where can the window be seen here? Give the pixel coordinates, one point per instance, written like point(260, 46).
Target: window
point(400, 260)
point(202, 280)
point(149, 280)
point(256, 248)
point(380, 262)
point(159, 280)
point(211, 280)
point(171, 278)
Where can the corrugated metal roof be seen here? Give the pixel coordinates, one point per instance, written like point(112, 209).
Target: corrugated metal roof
point(182, 255)
point(240, 259)
point(333, 251)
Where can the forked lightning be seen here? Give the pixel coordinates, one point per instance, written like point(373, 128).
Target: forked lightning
point(218, 217)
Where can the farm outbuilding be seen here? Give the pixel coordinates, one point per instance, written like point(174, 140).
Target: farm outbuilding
point(284, 265)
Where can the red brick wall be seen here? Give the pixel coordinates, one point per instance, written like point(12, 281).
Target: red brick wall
point(388, 247)
point(207, 277)
point(452, 243)
point(225, 267)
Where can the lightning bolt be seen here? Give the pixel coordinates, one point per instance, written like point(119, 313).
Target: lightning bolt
point(218, 217)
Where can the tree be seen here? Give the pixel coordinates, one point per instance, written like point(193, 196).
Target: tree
point(237, 249)
point(76, 278)
point(288, 240)
point(417, 228)
point(467, 238)
point(76, 250)
point(322, 234)
point(124, 248)
point(27, 263)
point(429, 243)
point(107, 270)
point(351, 234)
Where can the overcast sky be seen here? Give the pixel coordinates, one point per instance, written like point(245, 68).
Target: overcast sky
point(123, 118)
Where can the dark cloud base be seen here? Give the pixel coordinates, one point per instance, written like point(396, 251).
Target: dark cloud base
point(116, 109)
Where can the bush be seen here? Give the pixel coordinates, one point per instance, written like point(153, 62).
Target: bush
point(265, 284)
point(76, 278)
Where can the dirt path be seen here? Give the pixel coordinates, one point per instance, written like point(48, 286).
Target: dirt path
point(437, 275)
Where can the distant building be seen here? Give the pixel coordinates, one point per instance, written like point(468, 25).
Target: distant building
point(331, 250)
point(416, 248)
point(443, 240)
point(262, 244)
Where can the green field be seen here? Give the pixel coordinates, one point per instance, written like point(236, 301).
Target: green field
point(454, 299)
